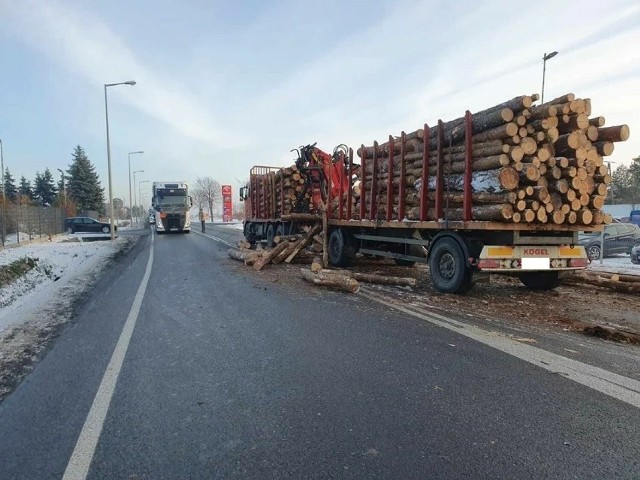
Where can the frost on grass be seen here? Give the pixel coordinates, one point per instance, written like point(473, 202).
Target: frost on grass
point(37, 297)
point(22, 276)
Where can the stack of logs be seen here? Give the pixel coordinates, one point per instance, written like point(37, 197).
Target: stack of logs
point(301, 247)
point(305, 248)
point(292, 182)
point(530, 164)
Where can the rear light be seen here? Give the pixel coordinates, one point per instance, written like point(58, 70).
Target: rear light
point(488, 263)
point(578, 262)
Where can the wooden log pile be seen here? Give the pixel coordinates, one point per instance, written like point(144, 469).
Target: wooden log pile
point(300, 248)
point(530, 164)
point(284, 192)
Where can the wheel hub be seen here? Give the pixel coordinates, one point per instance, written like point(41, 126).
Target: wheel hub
point(447, 266)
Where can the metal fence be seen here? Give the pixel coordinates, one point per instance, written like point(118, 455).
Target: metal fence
point(31, 221)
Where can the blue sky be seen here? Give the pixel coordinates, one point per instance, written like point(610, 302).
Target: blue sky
point(223, 86)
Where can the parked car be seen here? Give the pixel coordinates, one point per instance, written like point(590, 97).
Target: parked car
point(618, 238)
point(635, 254)
point(87, 225)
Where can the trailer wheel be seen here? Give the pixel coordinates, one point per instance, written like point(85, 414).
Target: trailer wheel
point(340, 252)
point(448, 267)
point(540, 280)
point(271, 233)
point(248, 235)
point(280, 230)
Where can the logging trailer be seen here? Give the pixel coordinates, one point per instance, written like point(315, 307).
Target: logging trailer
point(455, 243)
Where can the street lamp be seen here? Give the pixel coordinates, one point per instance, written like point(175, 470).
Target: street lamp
point(134, 190)
point(546, 57)
point(64, 191)
point(140, 190)
point(131, 204)
point(106, 115)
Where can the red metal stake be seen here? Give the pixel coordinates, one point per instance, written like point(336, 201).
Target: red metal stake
point(373, 214)
point(341, 180)
point(467, 195)
point(401, 187)
point(424, 187)
point(349, 184)
point(363, 188)
point(390, 180)
point(440, 174)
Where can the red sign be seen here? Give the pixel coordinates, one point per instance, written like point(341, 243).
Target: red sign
point(227, 211)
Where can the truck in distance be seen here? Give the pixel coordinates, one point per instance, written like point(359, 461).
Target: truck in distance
point(171, 203)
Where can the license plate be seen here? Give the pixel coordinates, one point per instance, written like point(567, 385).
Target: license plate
point(536, 264)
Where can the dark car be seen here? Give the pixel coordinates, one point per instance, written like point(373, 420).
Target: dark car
point(618, 238)
point(635, 254)
point(87, 225)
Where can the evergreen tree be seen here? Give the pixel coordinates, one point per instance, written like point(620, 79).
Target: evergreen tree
point(83, 185)
point(26, 193)
point(45, 188)
point(625, 183)
point(10, 189)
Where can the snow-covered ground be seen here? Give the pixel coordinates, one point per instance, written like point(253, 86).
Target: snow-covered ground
point(64, 266)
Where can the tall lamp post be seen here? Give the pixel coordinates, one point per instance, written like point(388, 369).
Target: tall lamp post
point(135, 201)
point(131, 204)
point(140, 190)
point(546, 56)
point(106, 115)
point(64, 191)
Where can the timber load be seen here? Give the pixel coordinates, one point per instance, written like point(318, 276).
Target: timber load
point(279, 192)
point(518, 163)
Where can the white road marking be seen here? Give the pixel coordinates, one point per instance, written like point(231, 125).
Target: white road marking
point(617, 386)
point(80, 461)
point(213, 237)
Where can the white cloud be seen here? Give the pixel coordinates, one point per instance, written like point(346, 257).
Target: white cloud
point(89, 48)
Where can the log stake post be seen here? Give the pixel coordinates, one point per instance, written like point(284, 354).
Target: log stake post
point(424, 187)
point(328, 206)
point(467, 198)
point(281, 193)
point(341, 189)
point(373, 211)
point(254, 192)
point(401, 189)
point(350, 178)
point(363, 186)
point(440, 173)
point(390, 180)
point(265, 205)
point(325, 239)
point(274, 209)
point(260, 201)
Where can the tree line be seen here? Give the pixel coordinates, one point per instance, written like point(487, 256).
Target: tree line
point(78, 189)
point(625, 183)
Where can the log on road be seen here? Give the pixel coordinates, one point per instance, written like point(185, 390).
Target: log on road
point(342, 282)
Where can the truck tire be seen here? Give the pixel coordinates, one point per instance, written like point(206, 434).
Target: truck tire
point(540, 280)
point(340, 252)
point(448, 267)
point(280, 230)
point(248, 236)
point(271, 233)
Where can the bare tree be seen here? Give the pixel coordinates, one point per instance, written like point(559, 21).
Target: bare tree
point(207, 193)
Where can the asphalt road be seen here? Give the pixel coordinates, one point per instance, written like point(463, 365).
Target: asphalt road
point(214, 373)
